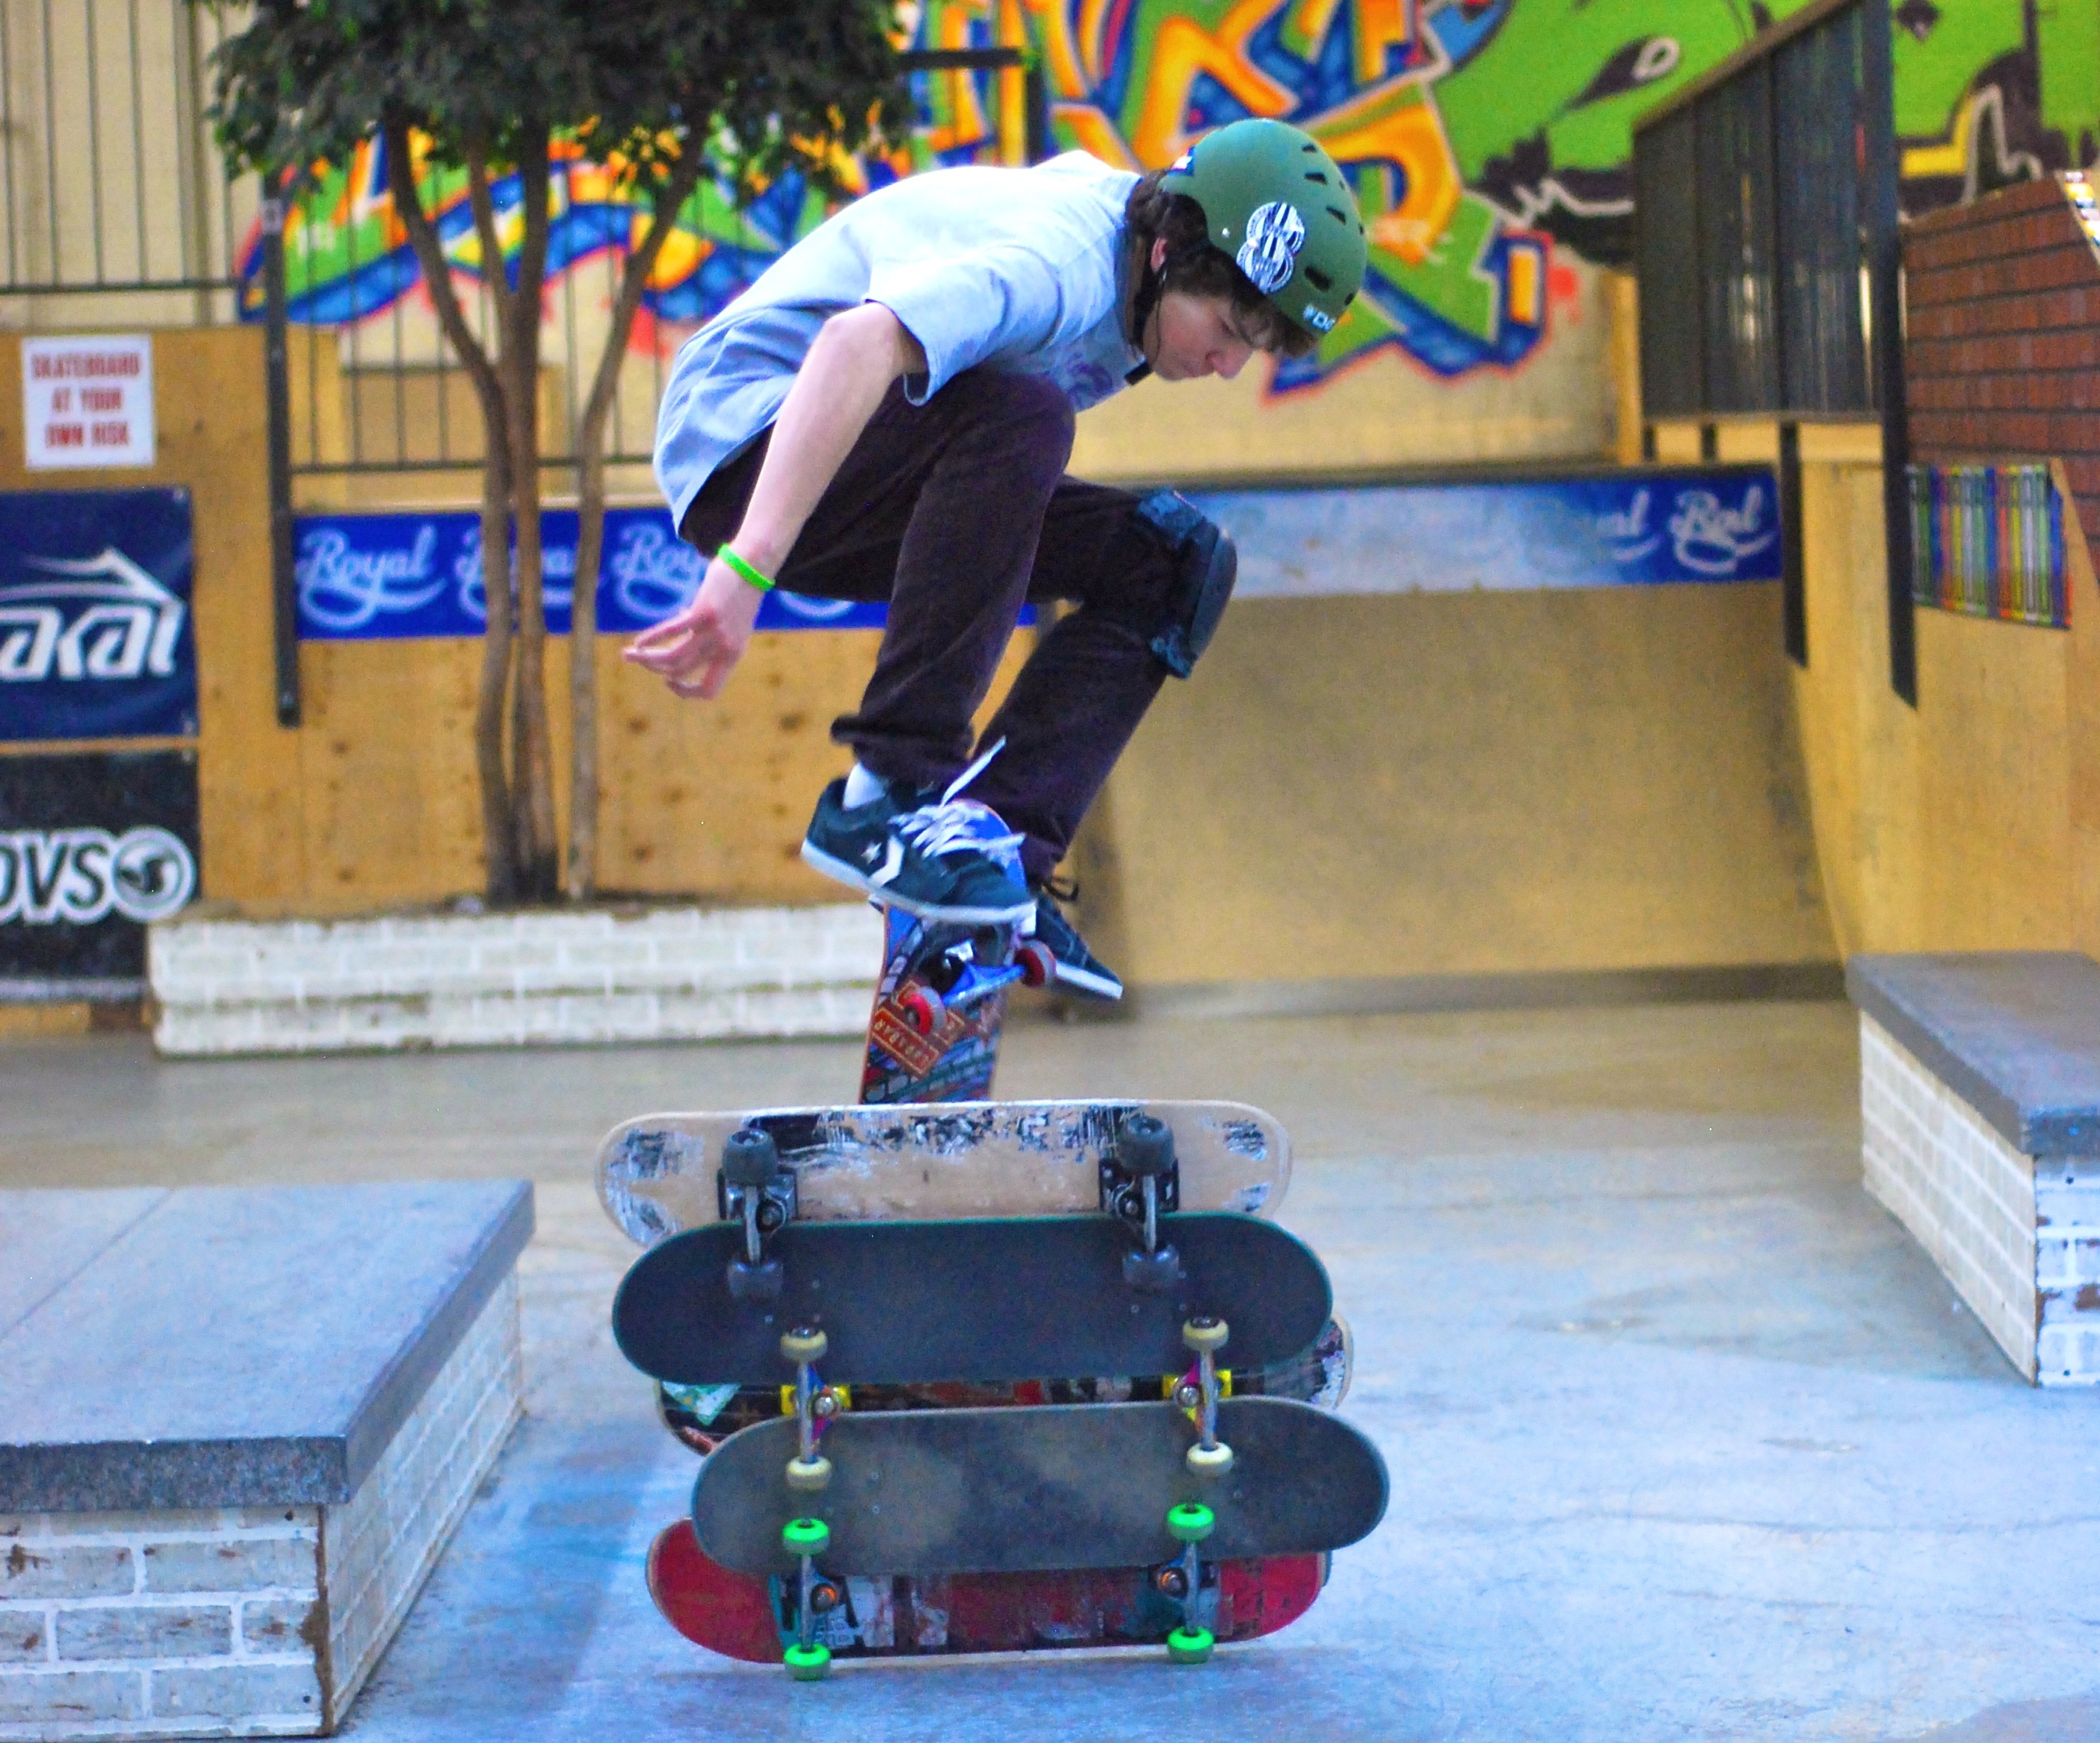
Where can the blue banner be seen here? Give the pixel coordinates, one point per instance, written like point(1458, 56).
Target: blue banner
point(376, 577)
point(1612, 529)
point(95, 636)
point(373, 577)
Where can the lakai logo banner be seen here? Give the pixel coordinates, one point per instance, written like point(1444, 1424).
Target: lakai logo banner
point(95, 633)
point(93, 849)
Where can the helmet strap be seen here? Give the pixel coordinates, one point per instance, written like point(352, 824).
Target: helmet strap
point(1151, 287)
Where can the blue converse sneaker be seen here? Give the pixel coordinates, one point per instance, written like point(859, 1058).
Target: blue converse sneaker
point(951, 859)
point(1078, 968)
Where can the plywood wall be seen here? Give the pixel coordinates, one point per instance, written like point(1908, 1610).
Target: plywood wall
point(1968, 823)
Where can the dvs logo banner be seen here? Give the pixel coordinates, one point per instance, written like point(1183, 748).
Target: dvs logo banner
point(93, 849)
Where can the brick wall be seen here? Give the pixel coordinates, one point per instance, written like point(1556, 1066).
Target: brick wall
point(255, 1621)
point(2018, 1236)
point(511, 979)
point(2003, 353)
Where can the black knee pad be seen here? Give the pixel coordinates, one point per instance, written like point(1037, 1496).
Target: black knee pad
point(1205, 565)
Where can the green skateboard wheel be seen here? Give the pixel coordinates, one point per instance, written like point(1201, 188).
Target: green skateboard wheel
point(1190, 1522)
point(1183, 1646)
point(811, 1664)
point(811, 1537)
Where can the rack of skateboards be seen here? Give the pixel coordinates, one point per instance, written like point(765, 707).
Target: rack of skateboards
point(984, 1376)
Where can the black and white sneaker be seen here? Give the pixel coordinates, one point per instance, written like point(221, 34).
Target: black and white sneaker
point(951, 859)
point(1078, 967)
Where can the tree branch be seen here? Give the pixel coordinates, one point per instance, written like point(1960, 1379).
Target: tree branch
point(437, 276)
point(493, 272)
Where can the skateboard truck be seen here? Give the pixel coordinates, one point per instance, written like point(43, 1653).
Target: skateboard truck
point(1190, 1522)
point(753, 1189)
point(809, 1473)
point(1139, 1181)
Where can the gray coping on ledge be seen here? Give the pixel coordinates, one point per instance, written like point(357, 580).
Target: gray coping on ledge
point(2014, 1033)
point(227, 1346)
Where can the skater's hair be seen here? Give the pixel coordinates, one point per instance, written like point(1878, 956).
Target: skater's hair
point(1193, 264)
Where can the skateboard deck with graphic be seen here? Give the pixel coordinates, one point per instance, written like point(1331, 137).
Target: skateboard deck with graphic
point(940, 1005)
point(989, 1299)
point(659, 1174)
point(701, 1417)
point(752, 1617)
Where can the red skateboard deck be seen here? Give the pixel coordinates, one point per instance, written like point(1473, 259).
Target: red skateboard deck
point(739, 1616)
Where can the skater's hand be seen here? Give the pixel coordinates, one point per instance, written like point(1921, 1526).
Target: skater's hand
point(695, 651)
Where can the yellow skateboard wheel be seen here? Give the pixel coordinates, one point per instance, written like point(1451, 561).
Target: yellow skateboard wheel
point(1205, 1332)
point(804, 1343)
point(1204, 1461)
point(810, 1474)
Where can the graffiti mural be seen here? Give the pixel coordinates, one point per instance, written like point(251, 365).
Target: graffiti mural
point(1482, 137)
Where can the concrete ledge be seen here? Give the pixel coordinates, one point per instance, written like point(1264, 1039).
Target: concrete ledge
point(241, 1427)
point(1977, 1135)
point(538, 978)
point(2014, 1033)
point(217, 1347)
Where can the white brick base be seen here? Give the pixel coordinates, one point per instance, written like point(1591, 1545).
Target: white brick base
point(2018, 1239)
point(513, 979)
point(252, 1622)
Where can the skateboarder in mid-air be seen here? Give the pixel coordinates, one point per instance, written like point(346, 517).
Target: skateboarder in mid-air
point(885, 414)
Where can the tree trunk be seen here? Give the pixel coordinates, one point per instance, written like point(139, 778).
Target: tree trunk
point(582, 879)
point(498, 855)
point(532, 752)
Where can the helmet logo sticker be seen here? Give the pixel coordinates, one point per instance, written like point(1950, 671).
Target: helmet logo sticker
point(1183, 163)
point(1274, 234)
point(1316, 316)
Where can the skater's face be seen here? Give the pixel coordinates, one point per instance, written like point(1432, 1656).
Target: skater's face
point(1190, 336)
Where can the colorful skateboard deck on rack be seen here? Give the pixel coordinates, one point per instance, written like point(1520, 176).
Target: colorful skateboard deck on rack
point(701, 1417)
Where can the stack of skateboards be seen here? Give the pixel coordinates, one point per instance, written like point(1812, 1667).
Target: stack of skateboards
point(984, 1376)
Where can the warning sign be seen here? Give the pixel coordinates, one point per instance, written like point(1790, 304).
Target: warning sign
point(88, 401)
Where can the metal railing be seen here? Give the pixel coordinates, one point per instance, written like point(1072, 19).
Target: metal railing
point(115, 209)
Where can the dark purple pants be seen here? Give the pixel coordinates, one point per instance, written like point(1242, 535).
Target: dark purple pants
point(955, 512)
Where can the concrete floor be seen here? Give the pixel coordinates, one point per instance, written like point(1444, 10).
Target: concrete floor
point(1688, 1441)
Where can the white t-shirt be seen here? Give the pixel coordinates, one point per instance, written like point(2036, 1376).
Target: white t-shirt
point(1010, 268)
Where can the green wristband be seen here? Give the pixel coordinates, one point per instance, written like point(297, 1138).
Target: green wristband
point(744, 569)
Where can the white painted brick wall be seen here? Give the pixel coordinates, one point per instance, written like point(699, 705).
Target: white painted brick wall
point(2018, 1239)
point(459, 980)
point(2067, 1268)
point(208, 1623)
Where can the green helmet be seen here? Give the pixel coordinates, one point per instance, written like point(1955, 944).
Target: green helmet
point(1277, 203)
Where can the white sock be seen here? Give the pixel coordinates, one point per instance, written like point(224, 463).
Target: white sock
point(863, 788)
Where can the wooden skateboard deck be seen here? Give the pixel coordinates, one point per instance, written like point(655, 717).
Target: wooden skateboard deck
point(981, 1299)
point(1029, 1490)
point(656, 1175)
point(750, 1617)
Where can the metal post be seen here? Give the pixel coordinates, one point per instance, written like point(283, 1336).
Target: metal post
point(1793, 584)
point(283, 587)
point(1882, 247)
